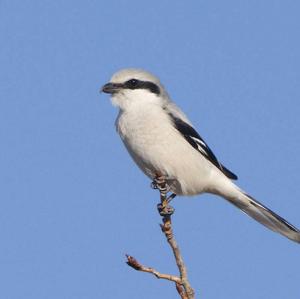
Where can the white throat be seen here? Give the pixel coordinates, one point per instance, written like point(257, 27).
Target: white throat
point(131, 99)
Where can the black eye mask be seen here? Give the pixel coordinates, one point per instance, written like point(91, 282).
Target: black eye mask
point(137, 84)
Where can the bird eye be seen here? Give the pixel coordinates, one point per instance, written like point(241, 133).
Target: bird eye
point(132, 83)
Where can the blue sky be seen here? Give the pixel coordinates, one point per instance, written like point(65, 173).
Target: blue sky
point(72, 201)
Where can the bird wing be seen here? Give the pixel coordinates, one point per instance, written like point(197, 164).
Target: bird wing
point(195, 140)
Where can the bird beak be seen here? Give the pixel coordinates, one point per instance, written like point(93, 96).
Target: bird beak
point(111, 88)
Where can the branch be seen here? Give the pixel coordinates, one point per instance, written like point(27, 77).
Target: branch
point(182, 284)
point(166, 228)
point(133, 263)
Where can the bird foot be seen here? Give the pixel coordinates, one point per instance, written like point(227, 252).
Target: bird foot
point(165, 211)
point(160, 183)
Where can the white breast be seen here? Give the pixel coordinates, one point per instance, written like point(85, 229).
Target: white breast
point(158, 148)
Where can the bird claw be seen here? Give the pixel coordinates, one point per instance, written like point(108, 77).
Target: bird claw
point(160, 183)
point(165, 211)
point(171, 197)
point(153, 185)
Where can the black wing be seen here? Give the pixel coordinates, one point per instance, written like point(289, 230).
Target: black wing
point(195, 140)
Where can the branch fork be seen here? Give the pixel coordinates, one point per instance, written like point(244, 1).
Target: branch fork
point(182, 284)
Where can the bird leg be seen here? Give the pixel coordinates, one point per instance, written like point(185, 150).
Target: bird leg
point(159, 182)
point(163, 207)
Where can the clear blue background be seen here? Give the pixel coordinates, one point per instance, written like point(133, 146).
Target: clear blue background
point(72, 202)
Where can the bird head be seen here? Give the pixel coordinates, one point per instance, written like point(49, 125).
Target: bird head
point(135, 87)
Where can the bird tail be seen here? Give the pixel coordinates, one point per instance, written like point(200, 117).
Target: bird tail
point(261, 213)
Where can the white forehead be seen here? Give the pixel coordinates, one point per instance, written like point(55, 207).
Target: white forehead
point(139, 74)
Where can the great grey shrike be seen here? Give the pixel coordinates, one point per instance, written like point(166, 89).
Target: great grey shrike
point(162, 141)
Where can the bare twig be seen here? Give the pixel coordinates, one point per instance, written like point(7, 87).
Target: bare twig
point(132, 262)
point(182, 284)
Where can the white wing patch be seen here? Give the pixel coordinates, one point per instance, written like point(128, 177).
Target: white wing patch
point(202, 147)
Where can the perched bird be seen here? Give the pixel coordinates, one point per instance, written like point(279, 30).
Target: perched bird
point(162, 141)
